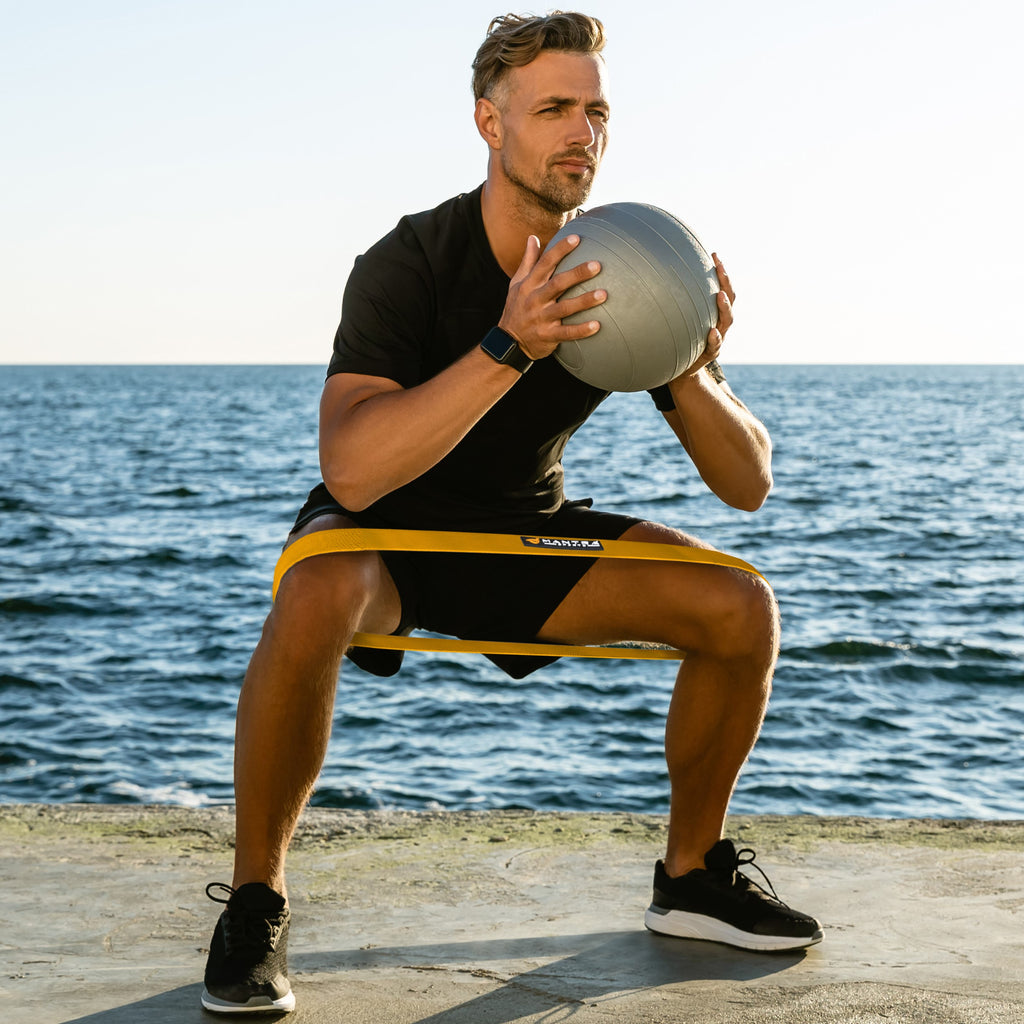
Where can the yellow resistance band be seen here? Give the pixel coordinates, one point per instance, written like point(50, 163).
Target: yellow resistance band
point(326, 542)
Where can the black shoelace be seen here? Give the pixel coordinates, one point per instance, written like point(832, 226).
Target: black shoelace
point(744, 861)
point(219, 885)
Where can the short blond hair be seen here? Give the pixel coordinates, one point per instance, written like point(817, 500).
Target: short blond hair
point(514, 40)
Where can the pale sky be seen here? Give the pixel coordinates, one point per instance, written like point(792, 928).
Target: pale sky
point(190, 181)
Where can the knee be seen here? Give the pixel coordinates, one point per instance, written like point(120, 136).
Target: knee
point(745, 620)
point(328, 592)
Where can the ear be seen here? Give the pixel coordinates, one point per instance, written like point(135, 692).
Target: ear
point(488, 122)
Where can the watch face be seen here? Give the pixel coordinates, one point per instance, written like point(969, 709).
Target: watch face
point(498, 345)
point(503, 349)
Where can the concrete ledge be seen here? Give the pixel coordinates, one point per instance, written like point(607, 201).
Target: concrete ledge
point(501, 917)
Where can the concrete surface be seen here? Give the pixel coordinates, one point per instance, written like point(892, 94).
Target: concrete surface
point(503, 917)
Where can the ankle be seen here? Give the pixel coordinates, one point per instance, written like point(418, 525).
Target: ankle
point(679, 863)
point(276, 885)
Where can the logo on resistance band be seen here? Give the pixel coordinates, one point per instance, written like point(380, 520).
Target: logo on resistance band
point(562, 543)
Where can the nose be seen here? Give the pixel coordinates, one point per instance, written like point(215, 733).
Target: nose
point(581, 131)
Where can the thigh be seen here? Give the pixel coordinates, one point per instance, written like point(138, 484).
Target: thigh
point(686, 605)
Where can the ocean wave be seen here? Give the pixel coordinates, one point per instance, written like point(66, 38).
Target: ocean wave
point(180, 492)
point(61, 606)
point(180, 793)
point(134, 588)
point(852, 650)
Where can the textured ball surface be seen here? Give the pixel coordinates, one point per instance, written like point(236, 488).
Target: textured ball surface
point(661, 285)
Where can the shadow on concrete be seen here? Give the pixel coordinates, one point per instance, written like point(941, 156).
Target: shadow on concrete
point(576, 970)
point(180, 1005)
point(572, 971)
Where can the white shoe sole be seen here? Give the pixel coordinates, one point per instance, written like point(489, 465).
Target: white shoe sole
point(255, 1005)
point(684, 925)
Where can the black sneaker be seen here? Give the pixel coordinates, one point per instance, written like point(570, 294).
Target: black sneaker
point(719, 904)
point(247, 970)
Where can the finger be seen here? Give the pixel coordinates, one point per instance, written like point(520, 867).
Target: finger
point(565, 280)
point(576, 332)
point(557, 253)
point(714, 345)
point(725, 315)
point(578, 303)
point(723, 278)
point(530, 257)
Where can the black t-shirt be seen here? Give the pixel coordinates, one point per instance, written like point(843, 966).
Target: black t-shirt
point(417, 301)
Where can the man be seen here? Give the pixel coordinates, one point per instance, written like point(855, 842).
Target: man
point(443, 410)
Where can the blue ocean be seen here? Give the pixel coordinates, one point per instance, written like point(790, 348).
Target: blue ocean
point(142, 510)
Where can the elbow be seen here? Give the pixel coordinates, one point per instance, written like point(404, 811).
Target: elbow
point(750, 504)
point(758, 484)
point(352, 499)
point(754, 495)
point(348, 490)
point(762, 495)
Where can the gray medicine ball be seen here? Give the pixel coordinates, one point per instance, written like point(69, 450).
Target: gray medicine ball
point(661, 286)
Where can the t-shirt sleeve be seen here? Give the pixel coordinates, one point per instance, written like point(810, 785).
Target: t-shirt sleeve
point(386, 313)
point(663, 396)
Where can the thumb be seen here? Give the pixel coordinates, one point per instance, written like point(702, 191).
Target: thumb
point(529, 260)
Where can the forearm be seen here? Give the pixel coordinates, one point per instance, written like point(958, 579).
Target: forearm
point(729, 446)
point(374, 440)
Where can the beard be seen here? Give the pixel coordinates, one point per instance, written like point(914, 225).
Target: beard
point(553, 191)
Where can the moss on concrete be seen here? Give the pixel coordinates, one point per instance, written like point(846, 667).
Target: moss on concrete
point(212, 828)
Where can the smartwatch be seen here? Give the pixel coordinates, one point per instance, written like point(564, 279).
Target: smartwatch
point(504, 349)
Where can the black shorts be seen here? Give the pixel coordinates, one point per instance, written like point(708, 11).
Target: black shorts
point(480, 597)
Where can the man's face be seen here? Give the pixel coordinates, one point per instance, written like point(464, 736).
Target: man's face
point(554, 116)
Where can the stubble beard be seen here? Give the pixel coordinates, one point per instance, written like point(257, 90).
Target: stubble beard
point(553, 193)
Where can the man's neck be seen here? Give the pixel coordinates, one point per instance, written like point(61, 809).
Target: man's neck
point(509, 220)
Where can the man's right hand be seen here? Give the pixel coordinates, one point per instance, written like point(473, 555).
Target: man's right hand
point(376, 436)
point(535, 308)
